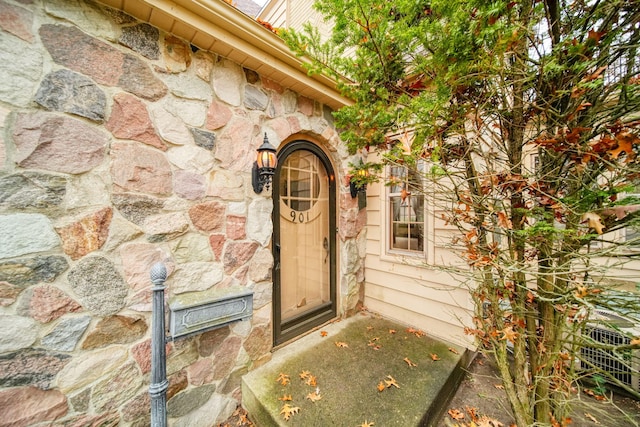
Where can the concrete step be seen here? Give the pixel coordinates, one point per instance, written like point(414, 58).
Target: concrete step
point(347, 377)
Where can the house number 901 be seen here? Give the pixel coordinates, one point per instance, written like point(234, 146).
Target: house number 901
point(299, 216)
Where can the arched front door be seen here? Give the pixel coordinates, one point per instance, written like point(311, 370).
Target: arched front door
point(304, 241)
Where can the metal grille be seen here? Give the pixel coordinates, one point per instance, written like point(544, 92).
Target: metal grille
point(621, 365)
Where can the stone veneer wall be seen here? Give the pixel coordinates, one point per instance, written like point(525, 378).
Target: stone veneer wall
point(121, 146)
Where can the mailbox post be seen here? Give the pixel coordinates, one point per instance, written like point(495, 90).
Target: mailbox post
point(159, 383)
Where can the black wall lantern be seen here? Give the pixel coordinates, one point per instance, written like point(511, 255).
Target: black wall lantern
point(357, 182)
point(264, 167)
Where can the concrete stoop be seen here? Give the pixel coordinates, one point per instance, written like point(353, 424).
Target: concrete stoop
point(349, 377)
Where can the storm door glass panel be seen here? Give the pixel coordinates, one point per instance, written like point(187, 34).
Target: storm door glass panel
point(304, 230)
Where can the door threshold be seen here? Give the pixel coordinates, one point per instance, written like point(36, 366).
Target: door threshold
point(304, 334)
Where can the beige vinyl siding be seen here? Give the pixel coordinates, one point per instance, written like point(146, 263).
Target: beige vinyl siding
point(294, 14)
point(275, 13)
point(404, 288)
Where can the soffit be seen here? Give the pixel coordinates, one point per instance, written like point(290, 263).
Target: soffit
point(215, 26)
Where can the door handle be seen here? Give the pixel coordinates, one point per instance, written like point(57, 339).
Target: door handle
point(325, 245)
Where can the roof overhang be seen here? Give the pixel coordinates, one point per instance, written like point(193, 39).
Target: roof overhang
point(218, 27)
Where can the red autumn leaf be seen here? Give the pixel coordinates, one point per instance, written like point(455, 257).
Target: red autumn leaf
point(456, 414)
point(323, 333)
point(473, 413)
point(595, 74)
point(504, 221)
point(381, 386)
point(434, 357)
point(625, 142)
point(596, 35)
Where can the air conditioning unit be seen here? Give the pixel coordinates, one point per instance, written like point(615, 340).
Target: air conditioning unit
point(612, 329)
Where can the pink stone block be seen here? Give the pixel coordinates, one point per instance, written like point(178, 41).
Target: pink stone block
point(236, 227)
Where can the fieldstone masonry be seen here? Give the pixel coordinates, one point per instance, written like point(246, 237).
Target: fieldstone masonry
point(122, 146)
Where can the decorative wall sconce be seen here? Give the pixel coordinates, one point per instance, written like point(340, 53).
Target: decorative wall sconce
point(264, 167)
point(357, 182)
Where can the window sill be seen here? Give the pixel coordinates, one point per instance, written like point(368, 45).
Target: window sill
point(414, 259)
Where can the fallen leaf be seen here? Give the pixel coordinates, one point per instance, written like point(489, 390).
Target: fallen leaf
point(392, 331)
point(473, 413)
point(304, 375)
point(453, 350)
point(594, 394)
point(591, 417)
point(311, 381)
point(367, 424)
point(381, 386)
point(283, 379)
point(323, 333)
point(391, 382)
point(374, 345)
point(635, 341)
point(314, 397)
point(499, 386)
point(488, 422)
point(434, 357)
point(288, 410)
point(416, 332)
point(285, 398)
point(409, 362)
point(341, 344)
point(369, 328)
point(456, 414)
point(244, 420)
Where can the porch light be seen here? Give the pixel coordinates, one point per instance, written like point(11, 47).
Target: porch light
point(359, 183)
point(264, 167)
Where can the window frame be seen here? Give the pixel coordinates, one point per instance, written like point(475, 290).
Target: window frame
point(422, 212)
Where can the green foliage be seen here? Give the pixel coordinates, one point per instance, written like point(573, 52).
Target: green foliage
point(482, 86)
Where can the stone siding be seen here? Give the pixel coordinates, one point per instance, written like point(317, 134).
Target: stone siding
point(122, 146)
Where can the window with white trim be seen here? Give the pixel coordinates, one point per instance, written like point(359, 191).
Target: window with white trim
point(406, 210)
